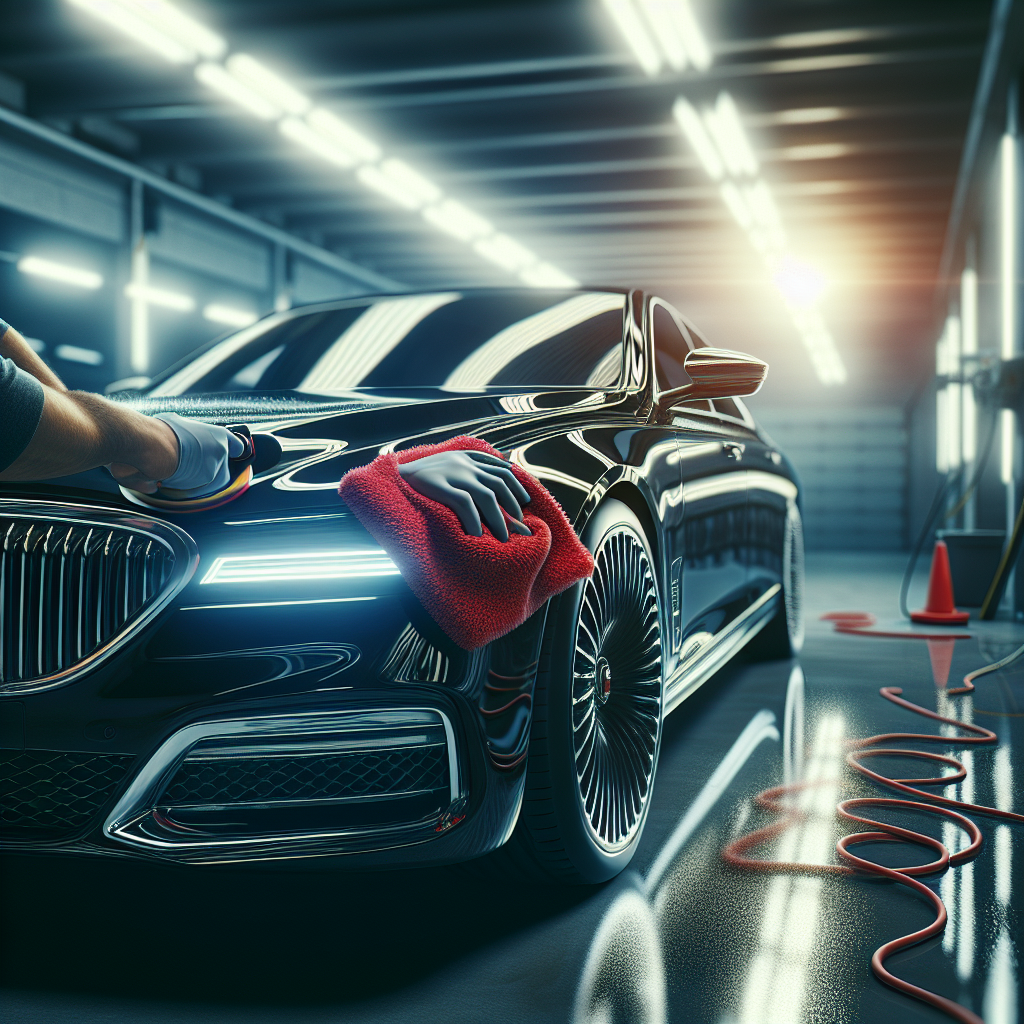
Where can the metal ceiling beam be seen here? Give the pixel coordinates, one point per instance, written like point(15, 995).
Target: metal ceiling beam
point(703, 80)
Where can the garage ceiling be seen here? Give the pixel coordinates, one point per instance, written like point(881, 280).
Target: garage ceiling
point(537, 115)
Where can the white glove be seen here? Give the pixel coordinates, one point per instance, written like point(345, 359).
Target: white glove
point(204, 450)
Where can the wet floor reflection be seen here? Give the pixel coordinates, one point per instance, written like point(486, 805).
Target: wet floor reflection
point(680, 937)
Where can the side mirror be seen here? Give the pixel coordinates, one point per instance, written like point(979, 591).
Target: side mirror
point(717, 373)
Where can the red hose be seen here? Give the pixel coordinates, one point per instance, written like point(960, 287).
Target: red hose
point(735, 853)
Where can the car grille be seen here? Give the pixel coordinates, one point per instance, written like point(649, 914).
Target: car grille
point(50, 794)
point(74, 582)
point(357, 775)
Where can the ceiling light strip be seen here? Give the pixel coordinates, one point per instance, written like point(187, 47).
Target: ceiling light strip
point(245, 81)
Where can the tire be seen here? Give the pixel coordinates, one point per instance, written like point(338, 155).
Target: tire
point(588, 793)
point(783, 637)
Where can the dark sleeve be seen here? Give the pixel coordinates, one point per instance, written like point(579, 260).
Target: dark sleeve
point(21, 406)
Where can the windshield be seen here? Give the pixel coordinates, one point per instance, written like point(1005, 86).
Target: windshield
point(444, 339)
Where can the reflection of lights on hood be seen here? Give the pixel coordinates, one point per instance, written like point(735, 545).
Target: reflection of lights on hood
point(313, 565)
point(780, 969)
point(364, 345)
point(480, 368)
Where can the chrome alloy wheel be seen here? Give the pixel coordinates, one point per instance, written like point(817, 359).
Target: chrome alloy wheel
point(793, 578)
point(617, 689)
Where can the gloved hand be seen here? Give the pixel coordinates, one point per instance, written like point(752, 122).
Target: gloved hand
point(204, 450)
point(471, 484)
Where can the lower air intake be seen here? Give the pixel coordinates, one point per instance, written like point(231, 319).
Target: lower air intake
point(277, 786)
point(49, 794)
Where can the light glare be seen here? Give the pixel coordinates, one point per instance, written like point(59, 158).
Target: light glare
point(75, 276)
point(801, 284)
point(188, 32)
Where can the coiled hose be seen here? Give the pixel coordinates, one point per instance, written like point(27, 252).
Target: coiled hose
point(736, 853)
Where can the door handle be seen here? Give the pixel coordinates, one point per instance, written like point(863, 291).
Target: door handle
point(733, 449)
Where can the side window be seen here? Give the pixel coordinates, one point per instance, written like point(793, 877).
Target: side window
point(670, 350)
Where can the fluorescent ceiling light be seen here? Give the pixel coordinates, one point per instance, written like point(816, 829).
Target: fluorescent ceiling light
point(123, 18)
point(544, 275)
point(74, 354)
point(165, 17)
point(400, 183)
point(1009, 234)
point(809, 115)
point(723, 123)
point(759, 197)
point(660, 31)
point(300, 132)
point(737, 205)
point(661, 18)
point(265, 94)
point(419, 189)
point(313, 565)
point(75, 276)
point(35, 344)
point(820, 151)
point(229, 315)
point(697, 48)
point(220, 80)
point(628, 22)
point(160, 297)
point(505, 252)
point(363, 150)
point(274, 89)
point(457, 220)
point(693, 128)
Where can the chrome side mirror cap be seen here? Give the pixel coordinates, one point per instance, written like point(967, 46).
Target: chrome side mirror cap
point(717, 373)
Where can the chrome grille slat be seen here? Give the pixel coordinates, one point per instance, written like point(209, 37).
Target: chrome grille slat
point(75, 583)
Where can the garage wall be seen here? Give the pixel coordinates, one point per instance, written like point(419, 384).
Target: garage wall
point(60, 192)
point(853, 467)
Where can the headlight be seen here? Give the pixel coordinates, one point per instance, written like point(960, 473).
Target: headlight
point(313, 565)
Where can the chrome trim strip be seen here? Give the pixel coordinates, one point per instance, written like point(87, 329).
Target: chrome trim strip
point(137, 801)
point(178, 543)
point(689, 676)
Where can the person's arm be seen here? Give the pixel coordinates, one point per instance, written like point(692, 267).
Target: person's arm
point(78, 431)
point(14, 347)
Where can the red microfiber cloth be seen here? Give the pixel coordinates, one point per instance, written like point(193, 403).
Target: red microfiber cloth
point(475, 588)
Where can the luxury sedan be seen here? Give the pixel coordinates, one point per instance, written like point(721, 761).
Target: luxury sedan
point(255, 681)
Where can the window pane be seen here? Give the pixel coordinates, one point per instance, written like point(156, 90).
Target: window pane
point(484, 339)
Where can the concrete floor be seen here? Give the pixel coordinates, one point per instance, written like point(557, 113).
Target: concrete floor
point(678, 937)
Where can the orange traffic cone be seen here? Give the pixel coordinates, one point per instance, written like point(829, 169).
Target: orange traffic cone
point(940, 609)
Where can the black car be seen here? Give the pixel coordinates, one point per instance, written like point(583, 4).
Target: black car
point(256, 682)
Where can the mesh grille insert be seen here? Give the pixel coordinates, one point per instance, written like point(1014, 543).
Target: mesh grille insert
point(52, 793)
point(357, 774)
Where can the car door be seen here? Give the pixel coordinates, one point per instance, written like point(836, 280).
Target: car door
point(713, 565)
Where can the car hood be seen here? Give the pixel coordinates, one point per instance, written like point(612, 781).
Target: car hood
point(322, 437)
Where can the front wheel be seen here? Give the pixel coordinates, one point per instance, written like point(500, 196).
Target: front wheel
point(597, 717)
